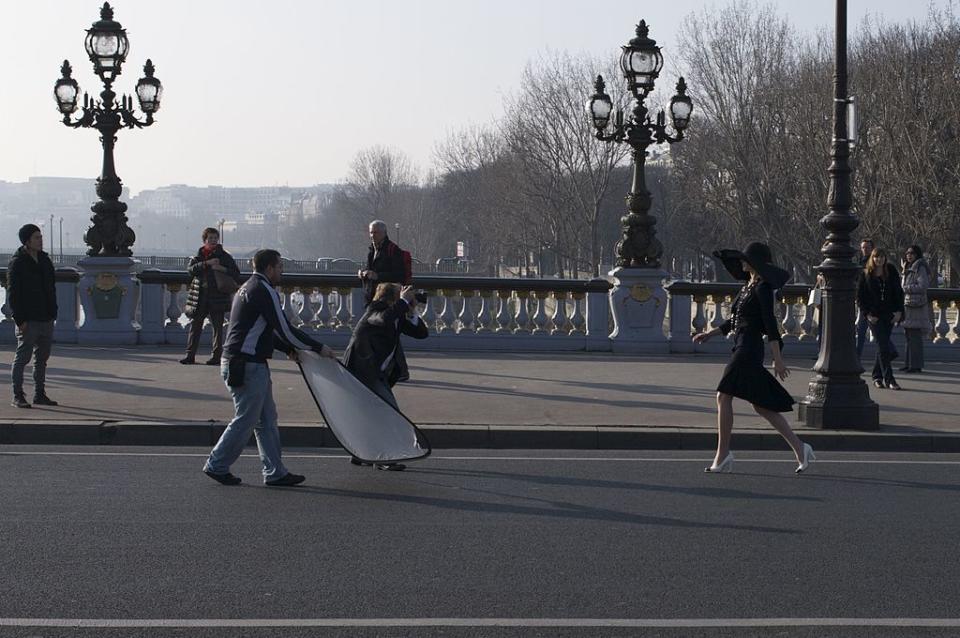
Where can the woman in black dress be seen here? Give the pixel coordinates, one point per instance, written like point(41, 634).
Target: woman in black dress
point(880, 296)
point(745, 377)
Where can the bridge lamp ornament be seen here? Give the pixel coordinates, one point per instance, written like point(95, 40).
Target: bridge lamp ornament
point(107, 47)
point(640, 62)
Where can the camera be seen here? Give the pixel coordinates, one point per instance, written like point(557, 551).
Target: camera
point(421, 297)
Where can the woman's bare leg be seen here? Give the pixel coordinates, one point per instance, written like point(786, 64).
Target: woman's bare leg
point(780, 425)
point(724, 425)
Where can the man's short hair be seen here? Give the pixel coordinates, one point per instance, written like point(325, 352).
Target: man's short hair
point(26, 232)
point(209, 231)
point(387, 292)
point(264, 258)
point(379, 223)
point(867, 240)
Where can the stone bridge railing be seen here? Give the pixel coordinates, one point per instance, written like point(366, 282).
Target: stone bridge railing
point(473, 313)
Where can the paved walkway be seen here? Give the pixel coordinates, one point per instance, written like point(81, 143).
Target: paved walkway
point(138, 385)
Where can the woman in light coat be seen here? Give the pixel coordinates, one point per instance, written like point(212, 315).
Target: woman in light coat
point(916, 313)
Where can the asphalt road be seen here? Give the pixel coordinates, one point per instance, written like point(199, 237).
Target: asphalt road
point(479, 543)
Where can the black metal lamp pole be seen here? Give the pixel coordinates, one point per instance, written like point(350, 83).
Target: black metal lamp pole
point(640, 62)
point(107, 47)
point(837, 396)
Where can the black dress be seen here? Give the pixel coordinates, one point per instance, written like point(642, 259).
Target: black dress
point(745, 377)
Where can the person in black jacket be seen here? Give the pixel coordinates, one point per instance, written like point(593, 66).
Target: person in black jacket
point(371, 353)
point(205, 298)
point(880, 297)
point(384, 265)
point(32, 298)
point(745, 377)
point(257, 325)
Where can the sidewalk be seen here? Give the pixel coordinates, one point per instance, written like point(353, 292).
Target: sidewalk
point(141, 395)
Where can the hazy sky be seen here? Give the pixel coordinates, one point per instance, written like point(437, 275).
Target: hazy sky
point(273, 92)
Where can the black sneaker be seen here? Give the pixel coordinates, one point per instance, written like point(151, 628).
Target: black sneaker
point(223, 479)
point(42, 399)
point(188, 361)
point(212, 361)
point(20, 402)
point(287, 480)
point(391, 467)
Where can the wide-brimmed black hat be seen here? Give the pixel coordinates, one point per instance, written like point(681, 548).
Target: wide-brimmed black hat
point(758, 255)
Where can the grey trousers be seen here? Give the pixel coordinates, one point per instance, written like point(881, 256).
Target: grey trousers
point(36, 341)
point(914, 348)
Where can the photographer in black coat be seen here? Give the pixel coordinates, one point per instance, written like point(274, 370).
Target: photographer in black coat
point(371, 353)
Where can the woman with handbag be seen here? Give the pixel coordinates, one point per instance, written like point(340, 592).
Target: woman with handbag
point(916, 314)
point(880, 297)
point(745, 377)
point(215, 277)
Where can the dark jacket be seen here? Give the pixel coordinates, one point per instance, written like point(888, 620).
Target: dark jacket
point(203, 287)
point(31, 287)
point(880, 297)
point(376, 337)
point(258, 325)
point(752, 313)
point(387, 262)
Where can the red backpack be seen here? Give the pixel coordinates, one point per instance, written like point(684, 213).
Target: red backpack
point(407, 267)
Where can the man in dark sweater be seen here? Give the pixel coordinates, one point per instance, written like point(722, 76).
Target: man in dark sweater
point(32, 297)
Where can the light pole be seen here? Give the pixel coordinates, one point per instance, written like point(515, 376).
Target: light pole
point(640, 62)
point(220, 225)
point(107, 45)
point(837, 396)
point(61, 239)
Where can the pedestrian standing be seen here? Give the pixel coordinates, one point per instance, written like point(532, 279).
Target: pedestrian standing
point(32, 298)
point(880, 296)
point(257, 325)
point(866, 247)
point(215, 276)
point(916, 314)
point(745, 376)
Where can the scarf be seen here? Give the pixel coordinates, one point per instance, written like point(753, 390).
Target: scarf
point(207, 251)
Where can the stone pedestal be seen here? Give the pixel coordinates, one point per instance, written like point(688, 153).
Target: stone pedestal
point(108, 295)
point(639, 304)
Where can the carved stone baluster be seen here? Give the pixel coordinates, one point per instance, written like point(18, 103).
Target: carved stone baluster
point(523, 316)
point(559, 318)
point(308, 308)
point(942, 329)
point(343, 310)
point(321, 318)
point(954, 334)
point(429, 315)
point(173, 308)
point(483, 318)
point(447, 317)
point(789, 325)
point(289, 309)
point(577, 320)
point(807, 333)
point(5, 308)
point(466, 317)
point(700, 316)
point(503, 311)
point(716, 319)
point(539, 318)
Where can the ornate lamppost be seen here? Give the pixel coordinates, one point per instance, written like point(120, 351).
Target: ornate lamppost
point(638, 300)
point(837, 396)
point(107, 45)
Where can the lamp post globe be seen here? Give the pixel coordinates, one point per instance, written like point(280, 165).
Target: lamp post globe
point(641, 61)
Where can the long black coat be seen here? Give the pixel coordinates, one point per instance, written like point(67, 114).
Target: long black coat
point(203, 291)
point(387, 262)
point(376, 336)
point(31, 287)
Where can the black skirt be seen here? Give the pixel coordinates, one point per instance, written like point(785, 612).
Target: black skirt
point(746, 378)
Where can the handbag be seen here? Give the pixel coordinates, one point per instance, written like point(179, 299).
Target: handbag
point(225, 283)
point(816, 295)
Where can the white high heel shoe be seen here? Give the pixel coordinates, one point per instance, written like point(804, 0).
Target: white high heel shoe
point(726, 465)
point(808, 456)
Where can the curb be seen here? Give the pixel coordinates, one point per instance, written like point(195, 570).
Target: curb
point(205, 434)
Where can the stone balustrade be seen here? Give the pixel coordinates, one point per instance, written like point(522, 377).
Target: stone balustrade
point(476, 313)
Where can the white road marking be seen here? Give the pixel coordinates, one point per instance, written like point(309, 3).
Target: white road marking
point(109, 623)
point(584, 459)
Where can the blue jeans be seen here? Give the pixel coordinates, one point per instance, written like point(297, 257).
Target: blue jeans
point(255, 410)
